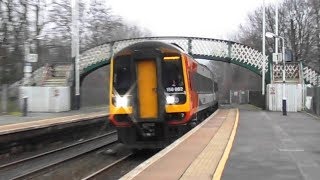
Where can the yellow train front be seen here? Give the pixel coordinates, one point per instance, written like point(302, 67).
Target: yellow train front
point(157, 92)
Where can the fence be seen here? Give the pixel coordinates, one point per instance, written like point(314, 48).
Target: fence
point(239, 96)
point(9, 100)
point(257, 99)
point(313, 100)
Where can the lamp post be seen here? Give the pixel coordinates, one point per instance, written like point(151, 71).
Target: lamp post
point(75, 52)
point(284, 99)
point(263, 48)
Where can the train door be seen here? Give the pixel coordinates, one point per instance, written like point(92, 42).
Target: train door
point(147, 89)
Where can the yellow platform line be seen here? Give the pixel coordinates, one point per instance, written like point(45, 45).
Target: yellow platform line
point(204, 166)
point(218, 173)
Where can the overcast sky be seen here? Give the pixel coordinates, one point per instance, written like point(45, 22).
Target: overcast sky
point(203, 18)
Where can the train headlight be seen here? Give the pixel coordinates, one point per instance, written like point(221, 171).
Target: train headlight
point(170, 99)
point(121, 101)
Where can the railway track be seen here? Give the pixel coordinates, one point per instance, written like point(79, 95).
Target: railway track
point(120, 166)
point(100, 172)
point(26, 167)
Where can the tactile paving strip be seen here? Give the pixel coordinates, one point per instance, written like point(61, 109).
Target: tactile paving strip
point(204, 166)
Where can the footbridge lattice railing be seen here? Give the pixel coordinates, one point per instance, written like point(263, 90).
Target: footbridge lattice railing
point(203, 48)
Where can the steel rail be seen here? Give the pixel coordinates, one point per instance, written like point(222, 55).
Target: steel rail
point(106, 168)
point(32, 158)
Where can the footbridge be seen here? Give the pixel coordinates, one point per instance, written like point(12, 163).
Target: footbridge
point(200, 48)
point(205, 48)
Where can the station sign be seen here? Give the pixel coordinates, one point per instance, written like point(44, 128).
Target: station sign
point(32, 58)
point(277, 57)
point(273, 90)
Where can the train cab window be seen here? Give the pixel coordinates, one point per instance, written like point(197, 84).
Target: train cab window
point(122, 74)
point(172, 74)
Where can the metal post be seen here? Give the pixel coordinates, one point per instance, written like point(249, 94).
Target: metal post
point(263, 48)
point(25, 106)
point(277, 29)
point(75, 51)
point(27, 65)
point(284, 99)
point(316, 96)
point(189, 46)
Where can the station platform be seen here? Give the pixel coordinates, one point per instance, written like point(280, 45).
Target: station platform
point(11, 124)
point(269, 145)
point(243, 143)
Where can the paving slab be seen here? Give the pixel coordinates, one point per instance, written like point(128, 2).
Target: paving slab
point(197, 154)
point(10, 119)
point(271, 146)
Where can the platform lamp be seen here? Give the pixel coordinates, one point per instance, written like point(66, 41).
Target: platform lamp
point(75, 52)
point(284, 99)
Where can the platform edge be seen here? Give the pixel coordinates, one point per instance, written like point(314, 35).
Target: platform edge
point(136, 171)
point(219, 170)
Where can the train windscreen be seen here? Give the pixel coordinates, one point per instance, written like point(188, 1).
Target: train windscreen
point(172, 75)
point(122, 74)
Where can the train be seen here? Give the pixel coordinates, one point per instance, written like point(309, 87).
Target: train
point(157, 93)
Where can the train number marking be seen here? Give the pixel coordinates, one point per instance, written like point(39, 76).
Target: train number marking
point(174, 89)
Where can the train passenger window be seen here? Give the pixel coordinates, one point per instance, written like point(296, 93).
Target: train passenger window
point(201, 84)
point(122, 74)
point(172, 75)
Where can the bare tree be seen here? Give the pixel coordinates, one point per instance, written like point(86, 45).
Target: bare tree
point(298, 24)
point(298, 28)
point(315, 5)
point(250, 34)
point(27, 20)
point(14, 30)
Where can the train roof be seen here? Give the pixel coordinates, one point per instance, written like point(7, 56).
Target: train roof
point(151, 45)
